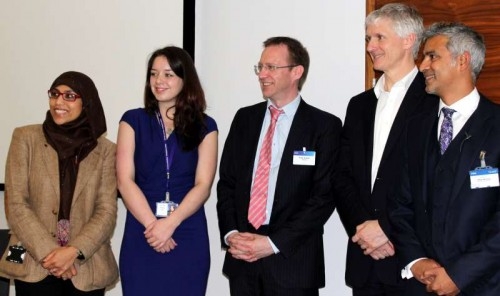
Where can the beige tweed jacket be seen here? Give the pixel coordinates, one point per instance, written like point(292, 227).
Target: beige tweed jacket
point(32, 205)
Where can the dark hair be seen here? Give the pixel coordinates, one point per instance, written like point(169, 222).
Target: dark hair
point(297, 54)
point(190, 105)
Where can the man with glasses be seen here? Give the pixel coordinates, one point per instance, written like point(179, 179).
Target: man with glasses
point(370, 157)
point(274, 193)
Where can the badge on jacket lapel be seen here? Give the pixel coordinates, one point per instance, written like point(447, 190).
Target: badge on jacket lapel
point(484, 176)
point(304, 157)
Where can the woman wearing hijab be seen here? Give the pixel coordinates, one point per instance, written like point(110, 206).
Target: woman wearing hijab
point(60, 190)
point(166, 161)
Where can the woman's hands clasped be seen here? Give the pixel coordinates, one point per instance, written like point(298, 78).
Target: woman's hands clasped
point(159, 235)
point(61, 262)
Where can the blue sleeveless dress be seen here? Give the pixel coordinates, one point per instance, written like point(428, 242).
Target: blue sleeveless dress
point(183, 271)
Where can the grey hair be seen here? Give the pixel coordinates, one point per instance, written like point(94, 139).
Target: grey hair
point(406, 20)
point(461, 39)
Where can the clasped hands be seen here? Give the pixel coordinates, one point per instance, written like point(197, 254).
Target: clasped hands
point(434, 277)
point(159, 233)
point(249, 247)
point(60, 262)
point(372, 239)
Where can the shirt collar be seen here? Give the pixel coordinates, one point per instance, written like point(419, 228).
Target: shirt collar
point(289, 109)
point(405, 82)
point(465, 106)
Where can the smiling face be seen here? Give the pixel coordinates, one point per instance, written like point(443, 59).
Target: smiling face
point(439, 67)
point(64, 111)
point(281, 84)
point(387, 49)
point(165, 84)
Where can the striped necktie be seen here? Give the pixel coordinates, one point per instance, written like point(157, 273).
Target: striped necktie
point(258, 195)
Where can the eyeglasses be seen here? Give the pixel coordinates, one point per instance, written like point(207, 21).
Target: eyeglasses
point(271, 68)
point(67, 96)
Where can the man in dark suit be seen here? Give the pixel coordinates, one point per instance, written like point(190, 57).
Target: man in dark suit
point(447, 216)
point(282, 254)
point(370, 158)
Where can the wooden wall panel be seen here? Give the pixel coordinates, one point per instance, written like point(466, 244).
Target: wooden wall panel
point(482, 15)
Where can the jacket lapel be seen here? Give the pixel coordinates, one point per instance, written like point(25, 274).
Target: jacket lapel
point(86, 170)
point(51, 163)
point(253, 126)
point(368, 129)
point(428, 130)
point(413, 98)
point(473, 135)
point(298, 132)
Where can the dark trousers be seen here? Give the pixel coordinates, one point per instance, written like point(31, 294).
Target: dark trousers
point(374, 287)
point(258, 284)
point(4, 241)
point(256, 281)
point(52, 286)
point(4, 286)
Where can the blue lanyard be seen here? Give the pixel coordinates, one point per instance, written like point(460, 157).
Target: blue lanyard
point(168, 156)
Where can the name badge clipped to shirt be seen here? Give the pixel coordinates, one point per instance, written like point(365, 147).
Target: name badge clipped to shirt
point(304, 157)
point(484, 176)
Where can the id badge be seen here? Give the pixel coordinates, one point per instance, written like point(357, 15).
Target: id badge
point(165, 208)
point(484, 178)
point(304, 157)
point(16, 254)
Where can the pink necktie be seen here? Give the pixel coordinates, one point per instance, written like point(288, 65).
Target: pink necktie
point(258, 196)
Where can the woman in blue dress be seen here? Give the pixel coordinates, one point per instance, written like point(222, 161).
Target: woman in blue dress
point(166, 163)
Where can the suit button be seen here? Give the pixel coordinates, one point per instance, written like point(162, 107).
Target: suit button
point(54, 212)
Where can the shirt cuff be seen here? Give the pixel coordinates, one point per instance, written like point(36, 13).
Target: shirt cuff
point(406, 272)
point(275, 249)
point(227, 235)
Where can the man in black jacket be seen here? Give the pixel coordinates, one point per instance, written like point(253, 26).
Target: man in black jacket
point(370, 157)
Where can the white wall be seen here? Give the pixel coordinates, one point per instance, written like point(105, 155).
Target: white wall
point(229, 36)
point(110, 40)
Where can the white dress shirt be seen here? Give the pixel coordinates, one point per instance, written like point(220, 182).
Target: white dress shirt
point(464, 109)
point(387, 108)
